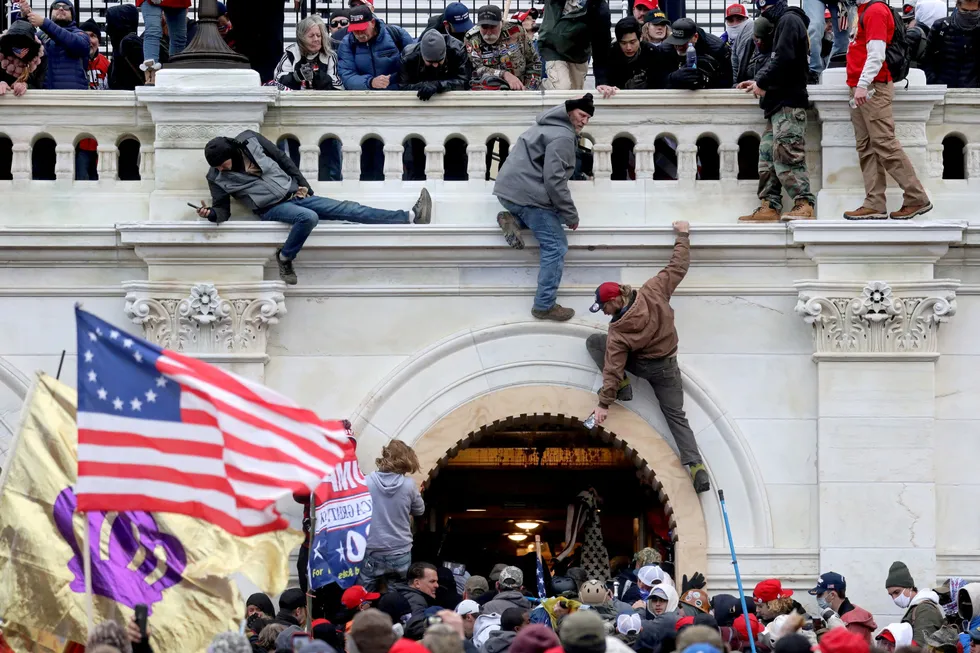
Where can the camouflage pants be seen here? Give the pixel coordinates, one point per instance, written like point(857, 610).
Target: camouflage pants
point(782, 158)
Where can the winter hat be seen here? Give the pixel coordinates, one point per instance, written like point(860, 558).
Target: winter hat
point(762, 28)
point(583, 632)
point(111, 634)
point(433, 46)
point(20, 35)
point(230, 643)
point(536, 638)
point(371, 631)
point(91, 26)
point(395, 606)
point(292, 598)
point(841, 640)
point(583, 103)
point(477, 586)
point(592, 592)
point(739, 626)
point(697, 599)
point(262, 602)
point(899, 576)
point(63, 2)
point(217, 151)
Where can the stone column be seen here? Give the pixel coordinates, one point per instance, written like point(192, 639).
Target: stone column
point(875, 310)
point(189, 107)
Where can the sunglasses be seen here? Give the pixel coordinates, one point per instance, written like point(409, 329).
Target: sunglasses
point(339, 23)
point(60, 8)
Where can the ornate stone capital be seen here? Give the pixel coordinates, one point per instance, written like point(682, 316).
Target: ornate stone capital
point(878, 321)
point(226, 324)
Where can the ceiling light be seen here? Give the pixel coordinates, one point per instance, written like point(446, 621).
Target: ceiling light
point(476, 510)
point(517, 537)
point(527, 525)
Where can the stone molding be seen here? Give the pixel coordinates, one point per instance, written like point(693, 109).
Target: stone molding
point(230, 323)
point(876, 321)
point(196, 135)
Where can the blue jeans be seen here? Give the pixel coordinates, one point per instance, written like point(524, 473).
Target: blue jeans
point(86, 165)
point(547, 227)
point(304, 214)
point(331, 158)
point(376, 565)
point(176, 25)
point(814, 11)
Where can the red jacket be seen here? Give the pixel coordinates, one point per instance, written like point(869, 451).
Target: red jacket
point(170, 4)
point(860, 622)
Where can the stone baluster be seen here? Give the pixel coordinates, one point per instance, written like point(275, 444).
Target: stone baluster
point(64, 167)
point(309, 161)
point(728, 153)
point(643, 154)
point(108, 161)
point(435, 165)
point(602, 161)
point(476, 161)
point(687, 162)
point(393, 161)
point(20, 166)
point(352, 161)
point(934, 160)
point(973, 161)
point(147, 152)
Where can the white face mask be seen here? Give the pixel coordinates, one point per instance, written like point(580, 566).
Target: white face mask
point(735, 30)
point(902, 600)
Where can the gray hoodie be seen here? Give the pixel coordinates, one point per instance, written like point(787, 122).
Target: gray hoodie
point(499, 641)
point(394, 498)
point(539, 165)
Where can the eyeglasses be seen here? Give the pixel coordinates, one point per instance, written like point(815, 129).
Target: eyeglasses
point(60, 8)
point(339, 23)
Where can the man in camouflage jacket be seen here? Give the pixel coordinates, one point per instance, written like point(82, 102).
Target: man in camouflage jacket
point(502, 54)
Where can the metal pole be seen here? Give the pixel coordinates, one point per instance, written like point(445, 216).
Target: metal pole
point(738, 576)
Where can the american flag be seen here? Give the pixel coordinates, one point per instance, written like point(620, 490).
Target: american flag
point(540, 568)
point(162, 432)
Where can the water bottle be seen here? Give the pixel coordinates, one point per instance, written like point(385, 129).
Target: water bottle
point(853, 104)
point(692, 56)
point(15, 14)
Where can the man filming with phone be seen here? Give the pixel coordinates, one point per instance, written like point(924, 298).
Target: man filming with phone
point(254, 171)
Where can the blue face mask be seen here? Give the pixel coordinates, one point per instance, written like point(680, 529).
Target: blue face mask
point(822, 602)
point(644, 594)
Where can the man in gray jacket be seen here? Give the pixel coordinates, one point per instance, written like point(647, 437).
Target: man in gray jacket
point(533, 187)
point(253, 170)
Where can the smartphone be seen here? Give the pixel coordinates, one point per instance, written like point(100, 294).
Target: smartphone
point(192, 206)
point(141, 613)
point(299, 640)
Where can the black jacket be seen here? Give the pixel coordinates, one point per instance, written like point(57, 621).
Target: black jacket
point(576, 35)
point(714, 65)
point(643, 72)
point(951, 56)
point(453, 75)
point(220, 200)
point(917, 38)
point(417, 601)
point(783, 78)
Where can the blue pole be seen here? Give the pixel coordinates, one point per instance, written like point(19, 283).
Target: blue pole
point(738, 576)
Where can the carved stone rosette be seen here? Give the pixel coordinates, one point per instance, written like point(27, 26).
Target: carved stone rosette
point(203, 320)
point(879, 320)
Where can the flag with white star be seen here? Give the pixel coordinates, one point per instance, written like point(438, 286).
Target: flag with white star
point(163, 432)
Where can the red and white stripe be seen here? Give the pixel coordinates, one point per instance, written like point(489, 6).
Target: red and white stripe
point(239, 448)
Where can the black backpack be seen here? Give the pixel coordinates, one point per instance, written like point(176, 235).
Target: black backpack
point(897, 56)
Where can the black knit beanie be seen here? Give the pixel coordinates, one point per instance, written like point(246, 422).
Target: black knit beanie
point(583, 103)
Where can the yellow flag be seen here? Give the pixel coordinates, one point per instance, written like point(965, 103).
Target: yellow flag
point(178, 566)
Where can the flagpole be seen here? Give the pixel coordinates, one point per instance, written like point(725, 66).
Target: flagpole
point(309, 562)
point(87, 564)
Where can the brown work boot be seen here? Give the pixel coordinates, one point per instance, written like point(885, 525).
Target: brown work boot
point(909, 212)
point(765, 213)
point(802, 210)
point(557, 313)
point(512, 230)
point(864, 213)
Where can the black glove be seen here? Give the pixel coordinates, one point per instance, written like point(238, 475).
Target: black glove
point(696, 582)
point(686, 78)
point(427, 90)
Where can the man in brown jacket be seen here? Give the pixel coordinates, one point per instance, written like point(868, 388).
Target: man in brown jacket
point(642, 340)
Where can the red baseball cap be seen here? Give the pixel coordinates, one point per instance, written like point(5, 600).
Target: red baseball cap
point(739, 626)
point(649, 4)
point(604, 293)
point(770, 590)
point(360, 18)
point(841, 640)
point(826, 14)
point(355, 595)
point(736, 10)
point(684, 621)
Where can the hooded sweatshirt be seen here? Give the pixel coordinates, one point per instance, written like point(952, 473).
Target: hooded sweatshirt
point(537, 171)
point(67, 51)
point(901, 632)
point(499, 641)
point(646, 328)
point(924, 615)
point(670, 613)
point(395, 498)
point(783, 77)
point(968, 595)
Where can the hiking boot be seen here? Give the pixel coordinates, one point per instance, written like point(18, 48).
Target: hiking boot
point(699, 476)
point(765, 213)
point(802, 210)
point(625, 391)
point(864, 213)
point(286, 271)
point(909, 212)
point(512, 230)
point(556, 313)
point(423, 208)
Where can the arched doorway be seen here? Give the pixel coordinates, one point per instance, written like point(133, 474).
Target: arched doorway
point(513, 479)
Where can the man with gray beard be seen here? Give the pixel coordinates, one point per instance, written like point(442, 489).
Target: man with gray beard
point(502, 54)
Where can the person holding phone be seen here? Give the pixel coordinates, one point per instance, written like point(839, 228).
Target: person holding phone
point(253, 170)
